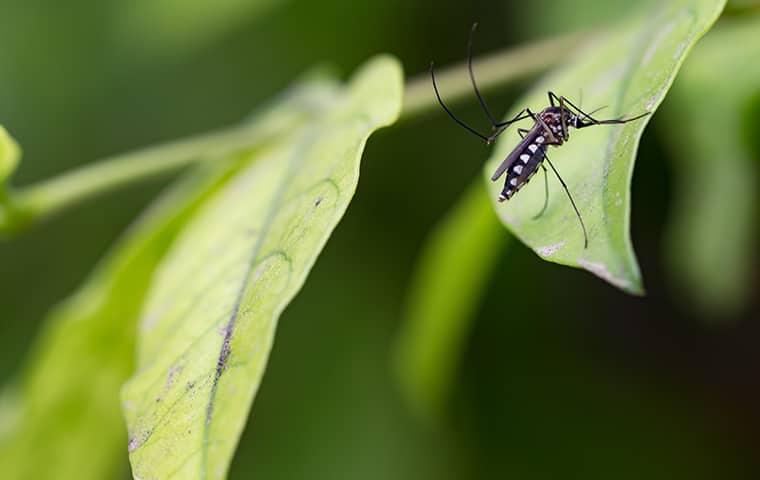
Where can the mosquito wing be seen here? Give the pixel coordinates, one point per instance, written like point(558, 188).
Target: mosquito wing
point(512, 157)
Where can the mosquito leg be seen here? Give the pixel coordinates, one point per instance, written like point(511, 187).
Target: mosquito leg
point(620, 121)
point(614, 121)
point(546, 192)
point(563, 118)
point(553, 98)
point(565, 100)
point(522, 132)
point(520, 116)
point(454, 117)
point(594, 121)
point(499, 128)
point(572, 202)
point(472, 77)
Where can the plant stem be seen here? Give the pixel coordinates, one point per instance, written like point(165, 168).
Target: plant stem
point(49, 196)
point(30, 204)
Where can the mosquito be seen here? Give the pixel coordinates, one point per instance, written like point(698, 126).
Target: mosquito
point(551, 127)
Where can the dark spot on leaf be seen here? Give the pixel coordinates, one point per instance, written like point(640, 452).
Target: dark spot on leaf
point(221, 364)
point(136, 441)
point(318, 201)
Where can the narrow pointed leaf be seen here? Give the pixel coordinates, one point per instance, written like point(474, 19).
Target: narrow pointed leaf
point(210, 319)
point(628, 70)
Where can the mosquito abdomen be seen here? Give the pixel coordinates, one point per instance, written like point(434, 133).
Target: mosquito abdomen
point(524, 167)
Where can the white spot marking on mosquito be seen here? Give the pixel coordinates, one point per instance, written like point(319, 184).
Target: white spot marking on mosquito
point(525, 157)
point(518, 169)
point(540, 140)
point(550, 250)
point(601, 271)
point(513, 182)
point(532, 148)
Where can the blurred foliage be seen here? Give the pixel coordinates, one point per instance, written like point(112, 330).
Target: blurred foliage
point(9, 155)
point(711, 125)
point(443, 298)
point(576, 380)
point(174, 28)
point(211, 313)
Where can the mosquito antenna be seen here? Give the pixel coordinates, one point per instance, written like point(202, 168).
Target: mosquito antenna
point(597, 110)
point(472, 77)
point(572, 202)
point(449, 112)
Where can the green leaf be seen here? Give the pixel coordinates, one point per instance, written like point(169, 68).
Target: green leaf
point(66, 408)
point(446, 288)
point(69, 408)
point(9, 156)
point(210, 318)
point(628, 70)
point(711, 241)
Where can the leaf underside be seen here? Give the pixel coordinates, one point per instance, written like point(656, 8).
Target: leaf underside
point(627, 70)
point(210, 318)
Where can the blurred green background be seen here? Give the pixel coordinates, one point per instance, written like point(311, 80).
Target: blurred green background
point(573, 380)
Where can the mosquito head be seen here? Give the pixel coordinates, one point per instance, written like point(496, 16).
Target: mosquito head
point(558, 120)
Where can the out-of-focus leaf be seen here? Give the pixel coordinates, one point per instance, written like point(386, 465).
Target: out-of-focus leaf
point(9, 155)
point(174, 27)
point(711, 242)
point(210, 318)
point(629, 70)
point(447, 284)
point(64, 420)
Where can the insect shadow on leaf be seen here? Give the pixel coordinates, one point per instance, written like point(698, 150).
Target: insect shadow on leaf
point(551, 127)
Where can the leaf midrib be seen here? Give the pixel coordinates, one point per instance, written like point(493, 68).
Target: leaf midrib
point(229, 328)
